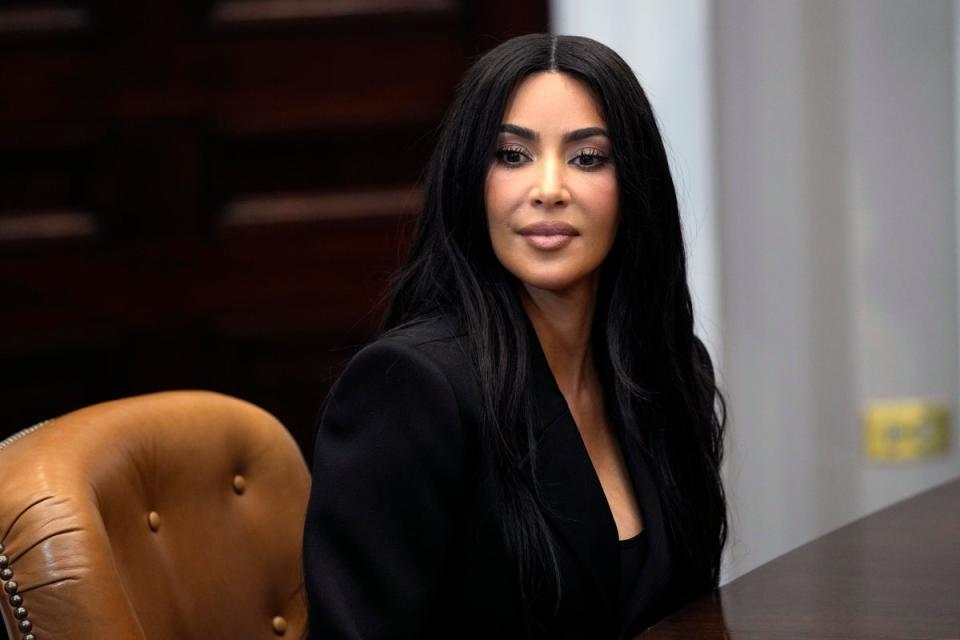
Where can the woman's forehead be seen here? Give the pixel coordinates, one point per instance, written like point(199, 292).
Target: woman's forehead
point(552, 102)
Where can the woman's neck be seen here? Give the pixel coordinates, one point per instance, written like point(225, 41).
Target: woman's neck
point(563, 323)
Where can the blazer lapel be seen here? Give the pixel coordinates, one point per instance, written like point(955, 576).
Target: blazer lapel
point(576, 506)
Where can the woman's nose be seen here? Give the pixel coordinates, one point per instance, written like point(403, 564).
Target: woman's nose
point(550, 189)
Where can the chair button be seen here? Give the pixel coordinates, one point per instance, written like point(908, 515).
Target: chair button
point(16, 600)
point(280, 625)
point(239, 484)
point(153, 519)
point(6, 574)
point(11, 587)
point(20, 613)
point(25, 626)
point(4, 561)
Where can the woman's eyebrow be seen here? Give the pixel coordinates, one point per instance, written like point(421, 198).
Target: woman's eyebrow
point(570, 136)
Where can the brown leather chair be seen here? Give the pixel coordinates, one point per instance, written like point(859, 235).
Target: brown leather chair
point(170, 515)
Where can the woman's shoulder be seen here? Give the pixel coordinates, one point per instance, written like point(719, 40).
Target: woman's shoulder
point(442, 328)
point(431, 348)
point(436, 340)
point(413, 379)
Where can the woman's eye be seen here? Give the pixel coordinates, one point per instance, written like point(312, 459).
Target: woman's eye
point(512, 157)
point(590, 159)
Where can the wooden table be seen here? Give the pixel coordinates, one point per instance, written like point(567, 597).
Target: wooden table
point(891, 575)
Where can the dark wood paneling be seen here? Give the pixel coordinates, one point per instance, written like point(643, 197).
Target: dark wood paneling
point(31, 19)
point(235, 13)
point(213, 194)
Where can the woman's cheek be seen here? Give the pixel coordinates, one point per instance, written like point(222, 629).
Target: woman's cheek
point(501, 188)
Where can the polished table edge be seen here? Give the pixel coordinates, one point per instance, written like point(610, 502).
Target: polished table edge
point(892, 574)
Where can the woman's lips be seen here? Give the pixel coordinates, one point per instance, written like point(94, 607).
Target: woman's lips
point(549, 235)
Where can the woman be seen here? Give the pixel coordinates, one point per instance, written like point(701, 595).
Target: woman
point(532, 449)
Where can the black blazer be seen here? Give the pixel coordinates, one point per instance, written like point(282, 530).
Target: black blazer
point(400, 541)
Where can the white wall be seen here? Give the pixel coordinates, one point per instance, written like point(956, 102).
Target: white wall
point(836, 201)
point(900, 134)
point(815, 144)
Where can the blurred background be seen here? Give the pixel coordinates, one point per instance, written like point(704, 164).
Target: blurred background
point(212, 194)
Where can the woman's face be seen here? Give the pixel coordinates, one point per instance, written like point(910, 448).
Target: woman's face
point(551, 192)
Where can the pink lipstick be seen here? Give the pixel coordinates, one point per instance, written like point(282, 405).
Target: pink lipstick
point(548, 236)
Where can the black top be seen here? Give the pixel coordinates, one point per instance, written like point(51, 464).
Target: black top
point(633, 553)
point(401, 540)
point(634, 616)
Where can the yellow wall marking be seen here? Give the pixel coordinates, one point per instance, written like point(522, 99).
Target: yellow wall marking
point(906, 429)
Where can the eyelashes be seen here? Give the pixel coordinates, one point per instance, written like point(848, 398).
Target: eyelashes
point(588, 159)
point(594, 157)
point(511, 156)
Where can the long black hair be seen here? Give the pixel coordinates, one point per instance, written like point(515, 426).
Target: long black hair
point(658, 375)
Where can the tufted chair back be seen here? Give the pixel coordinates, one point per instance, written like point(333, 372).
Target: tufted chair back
point(167, 516)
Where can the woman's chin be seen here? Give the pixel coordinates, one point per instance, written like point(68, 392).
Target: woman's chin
point(555, 283)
